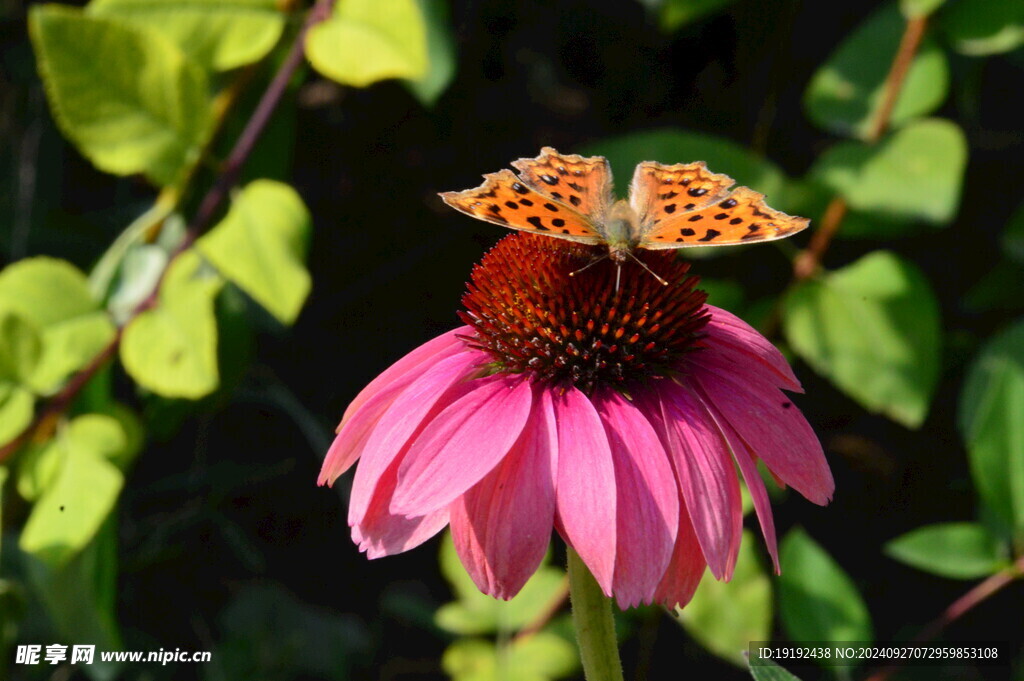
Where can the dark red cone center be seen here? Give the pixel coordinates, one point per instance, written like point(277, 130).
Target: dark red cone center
point(533, 315)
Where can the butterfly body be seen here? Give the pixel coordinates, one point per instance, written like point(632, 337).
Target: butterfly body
point(669, 207)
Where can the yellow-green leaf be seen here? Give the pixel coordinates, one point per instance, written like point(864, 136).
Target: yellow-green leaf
point(365, 41)
point(126, 96)
point(260, 245)
point(172, 349)
point(216, 34)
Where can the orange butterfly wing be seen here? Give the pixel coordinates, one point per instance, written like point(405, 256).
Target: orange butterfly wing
point(584, 183)
point(506, 200)
point(687, 205)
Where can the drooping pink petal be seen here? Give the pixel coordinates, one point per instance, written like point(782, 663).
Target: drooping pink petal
point(380, 533)
point(707, 475)
point(462, 444)
point(647, 505)
point(730, 336)
point(585, 489)
point(772, 426)
point(755, 485)
point(502, 525)
point(403, 371)
point(436, 388)
point(352, 436)
point(686, 567)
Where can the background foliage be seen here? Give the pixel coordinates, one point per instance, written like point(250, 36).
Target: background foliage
point(183, 315)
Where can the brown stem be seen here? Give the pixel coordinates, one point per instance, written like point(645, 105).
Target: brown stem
point(553, 608)
point(207, 211)
point(958, 608)
point(808, 261)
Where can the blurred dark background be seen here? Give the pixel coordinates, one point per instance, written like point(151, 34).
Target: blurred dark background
point(224, 498)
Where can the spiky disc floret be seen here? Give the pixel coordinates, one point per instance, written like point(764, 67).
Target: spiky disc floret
point(532, 314)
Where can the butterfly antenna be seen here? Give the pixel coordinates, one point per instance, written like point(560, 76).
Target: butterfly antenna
point(642, 264)
point(588, 265)
point(618, 275)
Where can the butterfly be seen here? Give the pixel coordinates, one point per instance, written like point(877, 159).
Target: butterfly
point(570, 197)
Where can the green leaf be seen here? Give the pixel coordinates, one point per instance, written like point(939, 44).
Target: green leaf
point(872, 328)
point(998, 289)
point(916, 173)
point(440, 52)
point(817, 600)
point(73, 507)
point(216, 34)
point(172, 349)
point(54, 296)
point(845, 94)
point(724, 293)
point(80, 596)
point(913, 9)
point(669, 146)
point(539, 657)
point(477, 613)
point(16, 411)
point(261, 244)
point(127, 97)
point(955, 550)
point(725, 616)
point(1013, 237)
point(675, 14)
point(767, 670)
point(20, 348)
point(365, 41)
point(991, 420)
point(982, 27)
point(141, 268)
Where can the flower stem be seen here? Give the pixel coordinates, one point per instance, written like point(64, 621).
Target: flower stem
point(595, 627)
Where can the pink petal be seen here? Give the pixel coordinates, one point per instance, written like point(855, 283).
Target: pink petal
point(755, 485)
point(403, 371)
point(648, 500)
point(585, 489)
point(502, 525)
point(707, 475)
point(424, 398)
point(686, 567)
point(732, 337)
point(380, 533)
point(352, 435)
point(462, 444)
point(770, 424)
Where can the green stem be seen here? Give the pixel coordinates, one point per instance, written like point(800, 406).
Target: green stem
point(595, 627)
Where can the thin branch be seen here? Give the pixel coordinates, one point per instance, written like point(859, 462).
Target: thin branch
point(203, 218)
point(958, 608)
point(807, 262)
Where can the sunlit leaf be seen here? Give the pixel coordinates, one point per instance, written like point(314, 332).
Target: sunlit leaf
point(127, 97)
point(725, 616)
point(991, 420)
point(873, 329)
point(846, 93)
point(916, 173)
point(983, 27)
point(73, 507)
point(172, 348)
point(817, 599)
point(16, 410)
point(440, 50)
point(20, 348)
point(366, 40)
point(54, 296)
point(261, 246)
point(216, 34)
point(913, 9)
point(539, 657)
point(477, 613)
point(956, 550)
